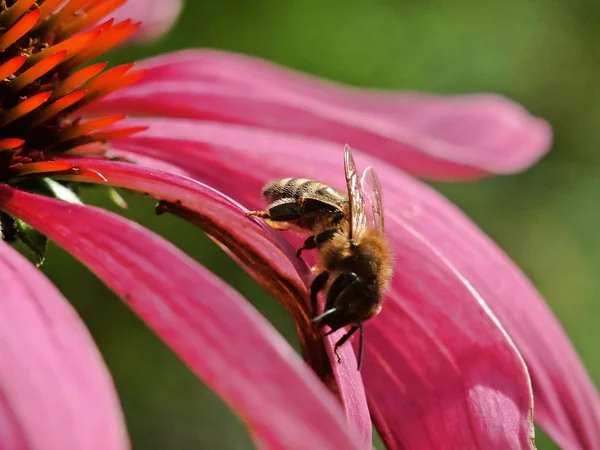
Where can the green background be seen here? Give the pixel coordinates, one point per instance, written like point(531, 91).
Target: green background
point(542, 53)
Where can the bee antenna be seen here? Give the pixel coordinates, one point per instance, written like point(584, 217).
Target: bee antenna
point(325, 314)
point(360, 347)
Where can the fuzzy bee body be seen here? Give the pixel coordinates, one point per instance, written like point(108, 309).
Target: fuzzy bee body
point(354, 259)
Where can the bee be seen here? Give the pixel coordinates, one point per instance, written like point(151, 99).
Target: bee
point(354, 266)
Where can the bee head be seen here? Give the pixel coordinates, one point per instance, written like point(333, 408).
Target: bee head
point(349, 300)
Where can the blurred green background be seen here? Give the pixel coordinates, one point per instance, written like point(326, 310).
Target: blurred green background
point(542, 53)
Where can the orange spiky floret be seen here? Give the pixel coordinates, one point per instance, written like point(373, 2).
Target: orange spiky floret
point(41, 68)
point(66, 13)
point(119, 83)
point(19, 29)
point(73, 46)
point(110, 81)
point(87, 127)
point(92, 148)
point(117, 133)
point(41, 85)
point(75, 80)
point(25, 107)
point(90, 17)
point(48, 7)
point(57, 106)
point(81, 174)
point(10, 16)
point(107, 39)
point(10, 143)
point(11, 66)
point(41, 167)
point(104, 25)
point(110, 76)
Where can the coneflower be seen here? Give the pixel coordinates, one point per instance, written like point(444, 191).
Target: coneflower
point(449, 363)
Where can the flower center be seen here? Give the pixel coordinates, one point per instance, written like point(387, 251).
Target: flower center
point(42, 84)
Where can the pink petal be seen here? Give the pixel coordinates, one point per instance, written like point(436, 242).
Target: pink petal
point(429, 235)
point(430, 136)
point(55, 391)
point(157, 16)
point(205, 202)
point(209, 325)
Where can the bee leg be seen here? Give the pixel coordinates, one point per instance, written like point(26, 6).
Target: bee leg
point(264, 215)
point(261, 214)
point(343, 340)
point(284, 210)
point(309, 244)
point(280, 216)
point(317, 284)
point(315, 241)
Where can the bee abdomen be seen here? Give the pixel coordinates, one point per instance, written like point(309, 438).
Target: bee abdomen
point(295, 188)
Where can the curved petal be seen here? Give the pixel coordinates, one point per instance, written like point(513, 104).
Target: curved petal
point(157, 16)
point(55, 391)
point(239, 160)
point(217, 333)
point(431, 136)
point(187, 196)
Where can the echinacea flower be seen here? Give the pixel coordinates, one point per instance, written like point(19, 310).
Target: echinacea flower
point(449, 363)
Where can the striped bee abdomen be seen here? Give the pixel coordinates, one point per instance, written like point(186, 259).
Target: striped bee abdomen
point(304, 203)
point(297, 188)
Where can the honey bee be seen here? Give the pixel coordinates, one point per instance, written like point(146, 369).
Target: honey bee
point(354, 266)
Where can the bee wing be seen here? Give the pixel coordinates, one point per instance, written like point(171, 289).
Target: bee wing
point(358, 219)
point(371, 188)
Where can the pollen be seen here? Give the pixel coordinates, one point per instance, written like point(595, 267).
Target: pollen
point(45, 78)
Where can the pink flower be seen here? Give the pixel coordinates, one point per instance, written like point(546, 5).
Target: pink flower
point(454, 360)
